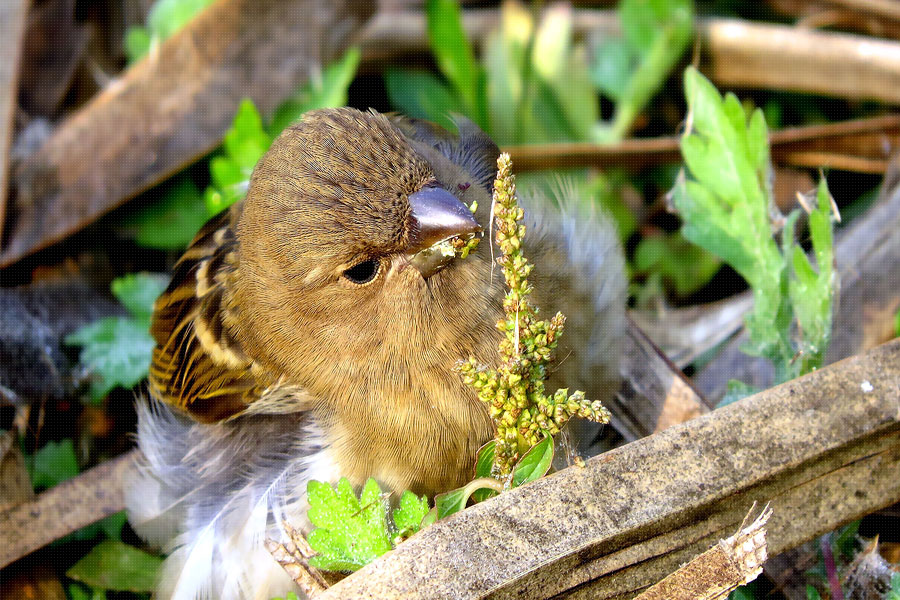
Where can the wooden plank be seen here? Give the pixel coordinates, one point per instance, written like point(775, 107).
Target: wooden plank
point(12, 28)
point(173, 107)
point(823, 449)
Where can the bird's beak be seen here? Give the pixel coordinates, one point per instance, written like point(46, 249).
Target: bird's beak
point(436, 216)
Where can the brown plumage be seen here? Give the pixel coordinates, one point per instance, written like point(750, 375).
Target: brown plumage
point(309, 310)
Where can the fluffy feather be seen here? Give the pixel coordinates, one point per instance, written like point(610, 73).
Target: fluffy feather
point(211, 494)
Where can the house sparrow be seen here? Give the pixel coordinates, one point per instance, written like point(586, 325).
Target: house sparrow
point(311, 331)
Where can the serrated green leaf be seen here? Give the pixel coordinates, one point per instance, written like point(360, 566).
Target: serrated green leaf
point(535, 463)
point(409, 514)
point(138, 291)
point(52, 464)
point(726, 208)
point(421, 95)
point(350, 532)
point(115, 351)
point(114, 565)
point(453, 52)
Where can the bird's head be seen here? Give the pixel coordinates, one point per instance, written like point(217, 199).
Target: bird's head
point(341, 261)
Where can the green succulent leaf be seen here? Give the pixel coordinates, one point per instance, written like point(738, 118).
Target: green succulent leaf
point(114, 565)
point(350, 532)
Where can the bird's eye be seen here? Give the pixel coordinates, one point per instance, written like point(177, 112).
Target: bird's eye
point(363, 272)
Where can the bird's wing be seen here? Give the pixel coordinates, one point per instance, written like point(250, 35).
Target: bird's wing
point(198, 365)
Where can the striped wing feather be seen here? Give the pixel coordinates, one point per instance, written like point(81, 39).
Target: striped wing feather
point(198, 365)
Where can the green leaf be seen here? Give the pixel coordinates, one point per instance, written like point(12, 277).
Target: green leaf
point(812, 292)
point(79, 591)
point(168, 16)
point(114, 565)
point(421, 95)
point(456, 500)
point(742, 593)
point(612, 66)
point(350, 532)
point(687, 266)
point(53, 463)
point(408, 516)
point(632, 70)
point(535, 463)
point(170, 222)
point(484, 463)
point(453, 52)
point(562, 69)
point(246, 140)
point(812, 593)
point(116, 351)
point(737, 390)
point(136, 43)
point(726, 208)
point(895, 587)
point(327, 91)
point(138, 291)
point(245, 143)
point(504, 58)
point(845, 540)
point(113, 524)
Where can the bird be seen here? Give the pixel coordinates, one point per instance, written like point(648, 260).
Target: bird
point(311, 330)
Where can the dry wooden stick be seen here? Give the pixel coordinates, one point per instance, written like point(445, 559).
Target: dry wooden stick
point(733, 562)
point(863, 144)
point(823, 449)
point(12, 27)
point(65, 508)
point(293, 555)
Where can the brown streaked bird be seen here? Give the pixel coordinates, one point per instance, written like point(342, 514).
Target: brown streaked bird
point(310, 332)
